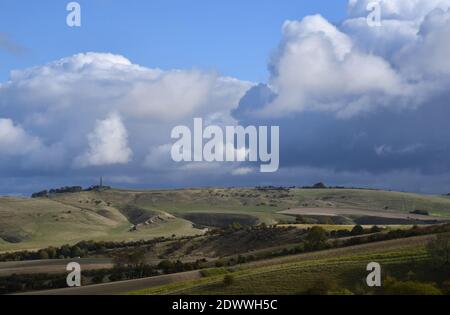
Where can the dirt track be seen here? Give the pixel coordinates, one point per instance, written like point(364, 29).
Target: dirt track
point(122, 287)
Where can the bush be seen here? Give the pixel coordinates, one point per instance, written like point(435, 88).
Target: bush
point(43, 255)
point(316, 238)
point(357, 230)
point(376, 229)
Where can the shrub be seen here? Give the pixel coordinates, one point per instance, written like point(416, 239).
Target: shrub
point(357, 230)
point(316, 237)
point(375, 229)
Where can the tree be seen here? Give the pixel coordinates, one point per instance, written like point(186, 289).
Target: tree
point(319, 186)
point(316, 237)
point(439, 249)
point(137, 258)
point(76, 252)
point(43, 254)
point(51, 252)
point(376, 229)
point(134, 259)
point(166, 265)
point(65, 251)
point(357, 230)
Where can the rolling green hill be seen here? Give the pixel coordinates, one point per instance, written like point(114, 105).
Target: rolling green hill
point(129, 215)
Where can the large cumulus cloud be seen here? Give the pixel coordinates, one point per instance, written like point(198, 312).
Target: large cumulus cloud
point(96, 113)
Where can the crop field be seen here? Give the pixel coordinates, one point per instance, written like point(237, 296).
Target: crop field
point(364, 217)
point(298, 274)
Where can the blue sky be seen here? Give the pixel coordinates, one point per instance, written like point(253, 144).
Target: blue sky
point(233, 37)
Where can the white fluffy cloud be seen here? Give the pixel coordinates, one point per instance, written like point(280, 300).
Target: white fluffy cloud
point(67, 105)
point(95, 82)
point(14, 141)
point(317, 68)
point(353, 68)
point(108, 144)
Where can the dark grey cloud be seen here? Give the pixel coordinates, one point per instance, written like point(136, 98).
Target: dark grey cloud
point(379, 142)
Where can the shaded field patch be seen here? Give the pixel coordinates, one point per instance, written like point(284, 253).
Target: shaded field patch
point(219, 219)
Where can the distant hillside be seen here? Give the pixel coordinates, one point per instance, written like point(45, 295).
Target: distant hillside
point(129, 215)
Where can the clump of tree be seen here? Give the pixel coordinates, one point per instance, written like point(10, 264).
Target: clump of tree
point(133, 258)
point(66, 190)
point(40, 194)
point(81, 249)
point(316, 186)
point(53, 191)
point(357, 230)
point(23, 283)
point(395, 234)
point(316, 239)
point(167, 266)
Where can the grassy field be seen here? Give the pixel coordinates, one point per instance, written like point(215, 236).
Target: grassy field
point(37, 223)
point(346, 267)
point(130, 215)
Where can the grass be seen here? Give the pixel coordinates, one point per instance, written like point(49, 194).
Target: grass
point(296, 277)
point(37, 223)
point(375, 200)
point(69, 218)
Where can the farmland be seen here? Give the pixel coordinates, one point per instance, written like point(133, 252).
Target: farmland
point(266, 240)
point(124, 215)
point(343, 268)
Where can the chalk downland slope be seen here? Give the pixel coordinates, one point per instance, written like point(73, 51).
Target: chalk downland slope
point(125, 215)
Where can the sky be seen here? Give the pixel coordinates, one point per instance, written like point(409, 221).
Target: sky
point(357, 105)
point(233, 37)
